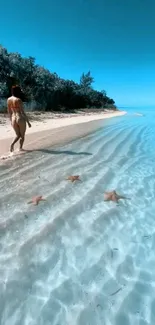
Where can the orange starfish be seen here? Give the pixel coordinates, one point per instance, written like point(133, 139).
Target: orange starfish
point(73, 178)
point(113, 196)
point(35, 200)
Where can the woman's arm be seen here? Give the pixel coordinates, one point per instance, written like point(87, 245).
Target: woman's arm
point(8, 110)
point(22, 110)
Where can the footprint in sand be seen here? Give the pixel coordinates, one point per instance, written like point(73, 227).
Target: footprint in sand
point(13, 154)
point(7, 156)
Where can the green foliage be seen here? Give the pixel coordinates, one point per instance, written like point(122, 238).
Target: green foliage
point(86, 81)
point(44, 90)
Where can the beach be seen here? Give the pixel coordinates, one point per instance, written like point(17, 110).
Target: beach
point(54, 128)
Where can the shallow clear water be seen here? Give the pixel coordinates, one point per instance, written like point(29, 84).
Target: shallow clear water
point(75, 259)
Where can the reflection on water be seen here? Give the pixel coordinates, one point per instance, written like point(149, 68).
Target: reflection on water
point(74, 259)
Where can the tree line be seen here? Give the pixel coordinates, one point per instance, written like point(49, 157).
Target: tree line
point(43, 90)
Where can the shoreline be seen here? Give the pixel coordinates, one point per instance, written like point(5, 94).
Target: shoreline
point(50, 130)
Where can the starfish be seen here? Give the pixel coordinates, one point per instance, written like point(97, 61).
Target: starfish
point(35, 200)
point(113, 196)
point(73, 178)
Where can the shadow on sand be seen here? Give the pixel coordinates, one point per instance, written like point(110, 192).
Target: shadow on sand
point(61, 152)
point(46, 151)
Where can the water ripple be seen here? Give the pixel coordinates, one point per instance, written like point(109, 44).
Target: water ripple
point(75, 259)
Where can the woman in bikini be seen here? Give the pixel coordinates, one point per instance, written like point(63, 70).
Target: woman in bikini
point(17, 116)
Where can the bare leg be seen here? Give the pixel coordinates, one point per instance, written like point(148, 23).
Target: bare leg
point(22, 127)
point(13, 143)
point(21, 143)
point(17, 131)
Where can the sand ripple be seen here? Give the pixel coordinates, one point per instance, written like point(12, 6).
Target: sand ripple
point(76, 260)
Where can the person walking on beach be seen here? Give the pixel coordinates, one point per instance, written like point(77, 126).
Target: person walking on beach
point(17, 116)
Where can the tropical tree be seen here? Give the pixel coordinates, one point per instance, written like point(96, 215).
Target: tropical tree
point(86, 81)
point(44, 90)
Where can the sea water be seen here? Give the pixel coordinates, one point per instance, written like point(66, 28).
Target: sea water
point(75, 259)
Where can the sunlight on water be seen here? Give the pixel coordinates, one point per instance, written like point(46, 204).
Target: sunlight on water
point(75, 259)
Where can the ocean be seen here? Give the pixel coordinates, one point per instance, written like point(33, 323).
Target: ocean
point(75, 259)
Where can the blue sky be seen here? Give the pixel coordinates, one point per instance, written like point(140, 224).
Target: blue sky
point(114, 39)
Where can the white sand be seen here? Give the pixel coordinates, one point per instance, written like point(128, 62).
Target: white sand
point(51, 129)
point(49, 123)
